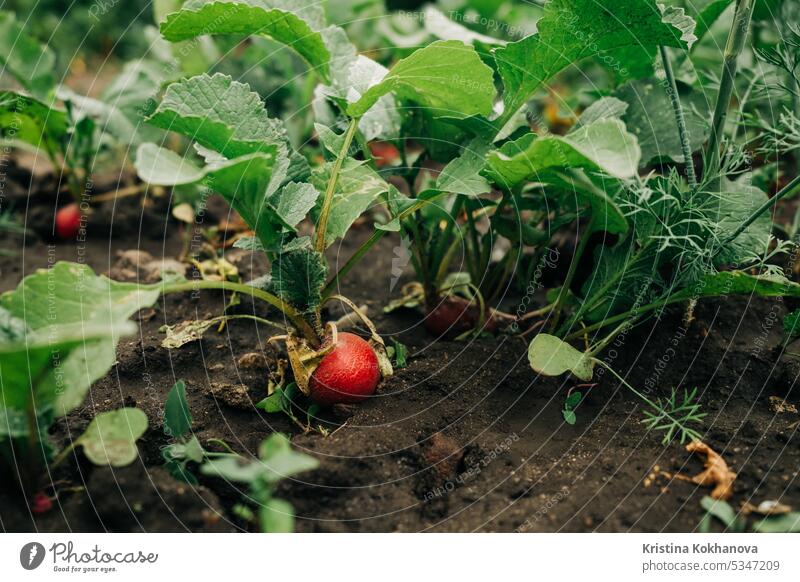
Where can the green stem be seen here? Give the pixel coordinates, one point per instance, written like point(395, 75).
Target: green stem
point(331, 286)
point(635, 313)
point(652, 404)
point(733, 48)
point(573, 266)
point(327, 201)
point(294, 316)
point(760, 210)
point(680, 119)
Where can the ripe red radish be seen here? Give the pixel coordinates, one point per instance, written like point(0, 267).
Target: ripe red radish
point(346, 375)
point(68, 222)
point(453, 315)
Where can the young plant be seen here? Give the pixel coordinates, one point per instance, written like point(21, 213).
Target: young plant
point(248, 159)
point(681, 238)
point(70, 129)
point(276, 461)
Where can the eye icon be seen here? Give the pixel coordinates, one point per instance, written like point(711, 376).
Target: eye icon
point(31, 555)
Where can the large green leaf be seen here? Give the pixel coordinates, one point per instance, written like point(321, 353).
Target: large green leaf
point(603, 145)
point(241, 181)
point(71, 294)
point(31, 365)
point(357, 187)
point(727, 210)
point(22, 56)
point(295, 23)
point(31, 121)
point(650, 118)
point(571, 30)
point(220, 114)
point(448, 77)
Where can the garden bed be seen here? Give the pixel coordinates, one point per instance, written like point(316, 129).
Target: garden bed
point(464, 438)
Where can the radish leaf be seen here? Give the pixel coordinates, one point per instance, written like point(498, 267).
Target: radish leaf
point(604, 145)
point(571, 30)
point(447, 77)
point(551, 356)
point(110, 439)
point(297, 24)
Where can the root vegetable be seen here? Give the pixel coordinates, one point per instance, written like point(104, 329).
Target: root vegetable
point(348, 374)
point(68, 222)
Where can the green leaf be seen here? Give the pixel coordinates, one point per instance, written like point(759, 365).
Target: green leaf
point(569, 416)
point(651, 119)
point(31, 121)
point(276, 516)
point(603, 145)
point(110, 438)
point(708, 15)
point(111, 121)
point(294, 202)
point(275, 402)
point(242, 182)
point(741, 283)
point(571, 30)
point(298, 278)
point(357, 188)
point(21, 55)
point(448, 77)
point(786, 523)
point(462, 175)
point(70, 293)
point(277, 461)
point(33, 362)
point(722, 511)
point(551, 356)
point(280, 461)
point(603, 108)
point(791, 325)
point(727, 210)
point(296, 23)
point(220, 114)
point(177, 416)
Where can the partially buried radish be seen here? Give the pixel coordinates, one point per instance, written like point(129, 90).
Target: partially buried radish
point(68, 222)
point(347, 374)
point(452, 316)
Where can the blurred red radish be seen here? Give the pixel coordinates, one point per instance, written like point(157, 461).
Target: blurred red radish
point(68, 222)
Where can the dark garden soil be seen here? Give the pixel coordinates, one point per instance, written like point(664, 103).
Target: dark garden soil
point(466, 438)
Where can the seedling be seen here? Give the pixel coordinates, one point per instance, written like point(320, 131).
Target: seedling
point(276, 461)
point(185, 447)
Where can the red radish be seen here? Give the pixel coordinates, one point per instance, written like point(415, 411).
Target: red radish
point(41, 503)
point(454, 315)
point(346, 375)
point(68, 222)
